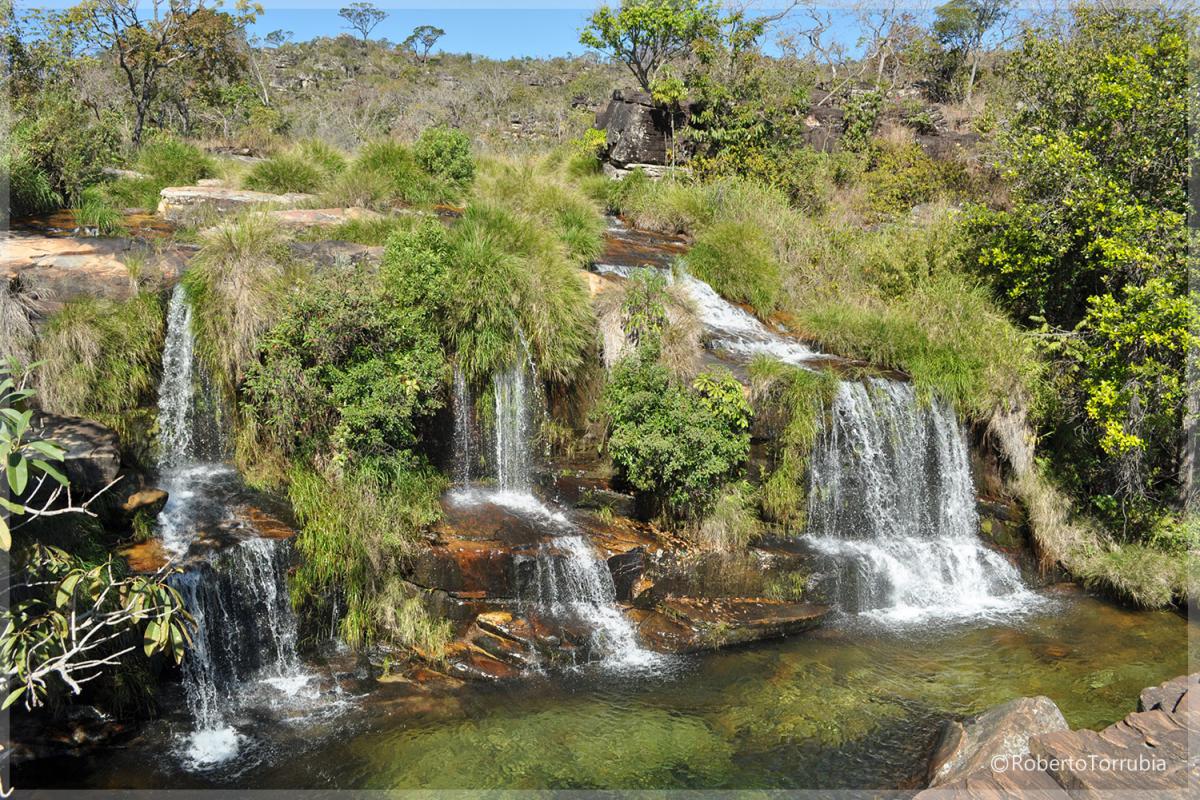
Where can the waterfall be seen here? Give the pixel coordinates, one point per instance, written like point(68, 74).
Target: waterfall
point(244, 640)
point(463, 429)
point(176, 393)
point(891, 501)
point(514, 423)
point(189, 465)
point(571, 579)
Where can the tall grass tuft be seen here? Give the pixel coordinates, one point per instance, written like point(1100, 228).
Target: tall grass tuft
point(102, 359)
point(358, 529)
point(286, 173)
point(96, 212)
point(233, 283)
point(735, 258)
point(790, 404)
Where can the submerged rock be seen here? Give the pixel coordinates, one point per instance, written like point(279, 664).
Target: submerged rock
point(690, 624)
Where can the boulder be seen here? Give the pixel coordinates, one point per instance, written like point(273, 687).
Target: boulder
point(638, 132)
point(54, 270)
point(93, 453)
point(965, 748)
point(1144, 754)
point(190, 204)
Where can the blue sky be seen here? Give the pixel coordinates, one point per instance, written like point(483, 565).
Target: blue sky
point(493, 28)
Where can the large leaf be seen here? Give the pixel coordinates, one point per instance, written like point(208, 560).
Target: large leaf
point(17, 472)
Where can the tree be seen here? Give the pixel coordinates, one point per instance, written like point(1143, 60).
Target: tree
point(963, 24)
point(424, 36)
point(363, 17)
point(1093, 247)
point(154, 40)
point(646, 35)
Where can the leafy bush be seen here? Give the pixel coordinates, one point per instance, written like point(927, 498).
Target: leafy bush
point(510, 288)
point(735, 258)
point(677, 445)
point(54, 150)
point(346, 372)
point(445, 153)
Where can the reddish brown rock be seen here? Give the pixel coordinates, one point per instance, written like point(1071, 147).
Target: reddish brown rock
point(55, 270)
point(968, 747)
point(688, 624)
point(190, 204)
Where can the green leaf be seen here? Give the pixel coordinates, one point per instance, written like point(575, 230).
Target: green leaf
point(18, 473)
point(5, 535)
point(12, 697)
point(150, 638)
point(66, 589)
point(51, 471)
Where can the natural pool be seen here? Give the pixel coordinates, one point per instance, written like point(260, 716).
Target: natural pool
point(851, 705)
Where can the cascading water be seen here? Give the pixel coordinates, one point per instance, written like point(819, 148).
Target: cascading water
point(245, 635)
point(514, 423)
point(244, 640)
point(570, 579)
point(891, 499)
point(463, 429)
point(188, 461)
point(892, 502)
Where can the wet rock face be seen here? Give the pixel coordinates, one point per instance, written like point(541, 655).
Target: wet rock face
point(185, 204)
point(638, 132)
point(55, 270)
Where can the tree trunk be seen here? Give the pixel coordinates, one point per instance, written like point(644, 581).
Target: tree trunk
point(971, 80)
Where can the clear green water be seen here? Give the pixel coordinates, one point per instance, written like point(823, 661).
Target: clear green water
point(849, 706)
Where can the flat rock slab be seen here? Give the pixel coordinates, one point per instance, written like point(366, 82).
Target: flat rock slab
point(59, 269)
point(190, 204)
point(689, 625)
point(301, 218)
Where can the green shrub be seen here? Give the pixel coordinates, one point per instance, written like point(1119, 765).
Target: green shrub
point(284, 174)
point(676, 445)
point(445, 153)
point(735, 258)
point(55, 148)
point(510, 288)
point(790, 403)
point(903, 177)
point(345, 372)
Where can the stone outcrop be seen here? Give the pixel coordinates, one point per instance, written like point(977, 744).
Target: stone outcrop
point(54, 270)
point(93, 452)
point(190, 204)
point(638, 132)
point(1145, 754)
point(303, 218)
point(967, 747)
